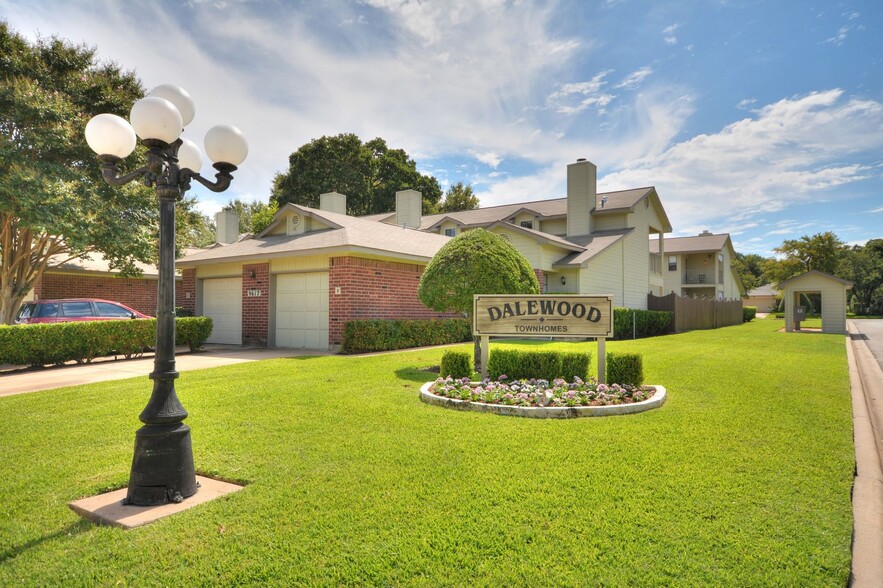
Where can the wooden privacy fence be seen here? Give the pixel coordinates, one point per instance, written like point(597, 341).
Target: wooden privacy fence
point(697, 313)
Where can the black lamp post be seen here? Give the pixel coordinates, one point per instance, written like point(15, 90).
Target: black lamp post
point(162, 467)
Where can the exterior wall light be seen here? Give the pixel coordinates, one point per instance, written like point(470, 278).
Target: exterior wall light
point(563, 280)
point(162, 466)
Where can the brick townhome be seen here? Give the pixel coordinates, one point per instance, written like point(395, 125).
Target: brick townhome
point(94, 278)
point(297, 283)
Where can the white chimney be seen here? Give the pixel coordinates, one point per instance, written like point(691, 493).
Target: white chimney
point(582, 190)
point(706, 233)
point(226, 226)
point(333, 202)
point(409, 209)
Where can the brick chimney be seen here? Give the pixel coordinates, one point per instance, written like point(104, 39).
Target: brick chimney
point(333, 202)
point(226, 226)
point(409, 209)
point(582, 189)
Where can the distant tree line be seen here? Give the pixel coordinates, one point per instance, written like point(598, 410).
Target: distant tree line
point(860, 264)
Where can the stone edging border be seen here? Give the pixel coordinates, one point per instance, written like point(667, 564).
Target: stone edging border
point(544, 412)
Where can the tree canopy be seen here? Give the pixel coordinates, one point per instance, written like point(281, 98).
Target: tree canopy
point(820, 252)
point(863, 266)
point(54, 206)
point(253, 216)
point(750, 269)
point(459, 197)
point(368, 173)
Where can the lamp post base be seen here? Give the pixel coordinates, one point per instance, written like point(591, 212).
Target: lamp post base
point(162, 468)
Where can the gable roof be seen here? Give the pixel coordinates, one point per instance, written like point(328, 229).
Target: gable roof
point(698, 244)
point(813, 273)
point(765, 290)
point(616, 203)
point(593, 245)
point(96, 263)
point(539, 236)
point(348, 233)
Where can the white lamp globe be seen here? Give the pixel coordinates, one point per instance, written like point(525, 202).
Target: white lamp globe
point(189, 156)
point(179, 97)
point(226, 144)
point(156, 118)
point(109, 134)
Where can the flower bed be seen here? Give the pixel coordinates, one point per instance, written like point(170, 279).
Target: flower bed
point(543, 399)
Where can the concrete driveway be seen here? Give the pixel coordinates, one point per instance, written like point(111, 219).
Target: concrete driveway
point(18, 380)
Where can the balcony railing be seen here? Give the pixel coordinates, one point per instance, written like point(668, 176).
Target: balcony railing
point(699, 276)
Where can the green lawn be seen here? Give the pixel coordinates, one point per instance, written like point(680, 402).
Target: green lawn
point(741, 478)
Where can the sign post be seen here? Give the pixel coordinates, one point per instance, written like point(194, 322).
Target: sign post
point(542, 316)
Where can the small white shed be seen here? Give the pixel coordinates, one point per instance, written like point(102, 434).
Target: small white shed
point(832, 290)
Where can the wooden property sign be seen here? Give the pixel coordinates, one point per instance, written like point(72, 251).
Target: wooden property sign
point(542, 315)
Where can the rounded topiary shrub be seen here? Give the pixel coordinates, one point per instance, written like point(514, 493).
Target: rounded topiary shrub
point(625, 368)
point(456, 364)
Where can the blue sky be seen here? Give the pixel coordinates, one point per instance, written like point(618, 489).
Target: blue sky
point(760, 118)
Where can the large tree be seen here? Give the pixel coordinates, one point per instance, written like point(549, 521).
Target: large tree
point(863, 266)
point(251, 212)
point(821, 252)
point(368, 173)
point(459, 197)
point(474, 262)
point(750, 269)
point(54, 206)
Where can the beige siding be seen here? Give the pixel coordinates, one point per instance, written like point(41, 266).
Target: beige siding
point(529, 218)
point(833, 301)
point(448, 225)
point(602, 274)
point(610, 222)
point(528, 247)
point(220, 270)
point(554, 227)
point(299, 264)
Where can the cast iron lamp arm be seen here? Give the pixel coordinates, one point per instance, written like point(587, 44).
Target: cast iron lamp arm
point(222, 178)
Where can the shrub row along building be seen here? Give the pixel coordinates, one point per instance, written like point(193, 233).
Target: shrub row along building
point(299, 281)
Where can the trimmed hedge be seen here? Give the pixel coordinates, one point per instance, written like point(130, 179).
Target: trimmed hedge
point(546, 365)
point(57, 343)
point(748, 313)
point(361, 336)
point(647, 323)
point(625, 368)
point(457, 364)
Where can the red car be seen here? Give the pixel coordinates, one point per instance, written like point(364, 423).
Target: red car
point(74, 309)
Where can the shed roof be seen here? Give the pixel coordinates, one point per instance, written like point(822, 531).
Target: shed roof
point(593, 244)
point(813, 274)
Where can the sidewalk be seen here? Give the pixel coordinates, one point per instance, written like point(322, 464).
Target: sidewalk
point(19, 379)
point(866, 378)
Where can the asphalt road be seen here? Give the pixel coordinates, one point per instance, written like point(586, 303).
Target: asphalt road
point(872, 329)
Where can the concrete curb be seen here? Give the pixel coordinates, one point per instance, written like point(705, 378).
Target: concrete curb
point(544, 412)
point(866, 382)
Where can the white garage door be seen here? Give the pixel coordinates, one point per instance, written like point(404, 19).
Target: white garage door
point(302, 310)
point(222, 301)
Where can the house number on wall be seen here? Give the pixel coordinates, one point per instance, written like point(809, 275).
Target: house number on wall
point(252, 293)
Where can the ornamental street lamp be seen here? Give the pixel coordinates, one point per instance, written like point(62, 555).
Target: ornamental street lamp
point(162, 467)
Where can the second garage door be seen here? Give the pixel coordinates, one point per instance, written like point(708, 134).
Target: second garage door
point(302, 310)
point(222, 301)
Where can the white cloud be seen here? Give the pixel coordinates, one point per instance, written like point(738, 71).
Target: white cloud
point(634, 79)
point(876, 210)
point(488, 158)
point(745, 103)
point(575, 97)
point(789, 152)
point(841, 35)
point(668, 34)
